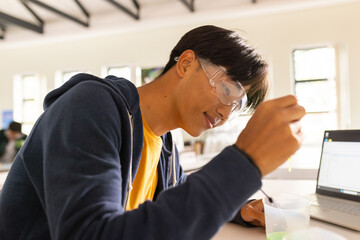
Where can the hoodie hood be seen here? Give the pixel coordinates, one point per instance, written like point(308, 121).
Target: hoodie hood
point(122, 86)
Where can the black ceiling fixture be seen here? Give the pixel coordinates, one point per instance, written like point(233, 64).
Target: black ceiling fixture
point(189, 4)
point(135, 15)
point(6, 19)
point(61, 13)
point(2, 31)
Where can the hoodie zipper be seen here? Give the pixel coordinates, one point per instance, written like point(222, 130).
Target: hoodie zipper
point(129, 187)
point(173, 163)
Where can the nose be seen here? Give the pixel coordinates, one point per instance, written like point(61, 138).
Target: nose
point(224, 111)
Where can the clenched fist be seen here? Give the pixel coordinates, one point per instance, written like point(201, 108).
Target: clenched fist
point(273, 133)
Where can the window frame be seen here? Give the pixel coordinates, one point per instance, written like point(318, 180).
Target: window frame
point(295, 82)
point(135, 77)
point(20, 100)
point(59, 76)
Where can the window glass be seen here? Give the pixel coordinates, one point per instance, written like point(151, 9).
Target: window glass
point(27, 100)
point(317, 63)
point(29, 115)
point(123, 72)
point(149, 74)
point(317, 96)
point(30, 87)
point(67, 75)
point(63, 76)
point(315, 87)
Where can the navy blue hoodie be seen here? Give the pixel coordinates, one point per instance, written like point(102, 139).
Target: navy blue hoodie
point(71, 178)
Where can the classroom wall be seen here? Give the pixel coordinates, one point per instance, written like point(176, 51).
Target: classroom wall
point(275, 34)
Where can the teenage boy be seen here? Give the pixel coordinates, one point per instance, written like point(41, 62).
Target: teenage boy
point(100, 162)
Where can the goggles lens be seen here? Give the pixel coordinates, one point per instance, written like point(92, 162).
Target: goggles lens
point(229, 92)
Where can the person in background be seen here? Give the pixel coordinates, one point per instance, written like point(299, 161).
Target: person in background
point(100, 162)
point(11, 140)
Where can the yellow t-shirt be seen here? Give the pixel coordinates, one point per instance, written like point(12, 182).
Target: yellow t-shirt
point(146, 178)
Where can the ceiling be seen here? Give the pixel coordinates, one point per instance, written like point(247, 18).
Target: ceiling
point(26, 19)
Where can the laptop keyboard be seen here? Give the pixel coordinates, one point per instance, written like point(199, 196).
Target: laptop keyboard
point(340, 206)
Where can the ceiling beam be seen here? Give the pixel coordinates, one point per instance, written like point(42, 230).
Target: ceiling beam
point(189, 4)
point(6, 18)
point(63, 14)
point(2, 31)
point(136, 15)
point(82, 8)
point(32, 12)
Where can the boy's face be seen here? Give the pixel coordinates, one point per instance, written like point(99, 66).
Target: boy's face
point(198, 105)
point(12, 135)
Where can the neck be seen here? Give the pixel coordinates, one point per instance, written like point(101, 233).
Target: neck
point(157, 105)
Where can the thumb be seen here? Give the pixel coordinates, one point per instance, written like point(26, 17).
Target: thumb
point(253, 215)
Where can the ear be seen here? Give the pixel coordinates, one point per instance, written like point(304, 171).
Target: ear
point(185, 61)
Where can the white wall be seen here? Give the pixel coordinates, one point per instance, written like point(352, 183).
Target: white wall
point(276, 34)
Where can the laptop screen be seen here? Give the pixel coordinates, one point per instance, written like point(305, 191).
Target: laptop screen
point(339, 171)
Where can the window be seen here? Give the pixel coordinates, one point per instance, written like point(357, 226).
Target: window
point(124, 72)
point(130, 73)
point(27, 100)
point(315, 87)
point(149, 74)
point(63, 76)
point(314, 75)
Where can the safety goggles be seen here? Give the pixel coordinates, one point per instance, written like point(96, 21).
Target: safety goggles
point(229, 92)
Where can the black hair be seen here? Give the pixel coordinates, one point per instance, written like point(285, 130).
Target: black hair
point(15, 126)
point(227, 48)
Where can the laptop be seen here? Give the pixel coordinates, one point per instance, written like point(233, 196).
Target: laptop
point(337, 197)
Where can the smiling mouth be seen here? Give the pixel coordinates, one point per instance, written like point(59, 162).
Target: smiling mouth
point(209, 120)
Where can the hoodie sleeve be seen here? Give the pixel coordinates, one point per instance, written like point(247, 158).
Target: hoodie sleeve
point(83, 179)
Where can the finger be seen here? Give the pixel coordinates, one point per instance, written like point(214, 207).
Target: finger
point(256, 208)
point(300, 136)
point(296, 127)
point(259, 205)
point(293, 113)
point(260, 216)
point(285, 101)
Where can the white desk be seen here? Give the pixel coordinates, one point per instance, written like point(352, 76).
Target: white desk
point(3, 175)
point(235, 232)
point(5, 167)
point(302, 187)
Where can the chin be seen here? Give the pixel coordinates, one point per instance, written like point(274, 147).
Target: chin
point(194, 128)
point(194, 133)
